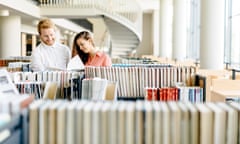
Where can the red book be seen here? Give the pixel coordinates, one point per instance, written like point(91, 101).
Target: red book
point(148, 92)
point(154, 94)
point(161, 94)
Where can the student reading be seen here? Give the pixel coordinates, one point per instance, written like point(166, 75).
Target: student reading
point(49, 54)
point(84, 47)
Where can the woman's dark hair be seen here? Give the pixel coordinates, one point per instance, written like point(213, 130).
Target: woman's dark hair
point(85, 35)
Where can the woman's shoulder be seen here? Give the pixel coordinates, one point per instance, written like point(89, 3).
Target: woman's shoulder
point(102, 54)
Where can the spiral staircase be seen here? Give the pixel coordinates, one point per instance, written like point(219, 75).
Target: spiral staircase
point(123, 19)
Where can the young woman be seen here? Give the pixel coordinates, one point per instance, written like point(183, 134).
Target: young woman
point(84, 47)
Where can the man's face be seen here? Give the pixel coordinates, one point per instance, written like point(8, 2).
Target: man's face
point(48, 36)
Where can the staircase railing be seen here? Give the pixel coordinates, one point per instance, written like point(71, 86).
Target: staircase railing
point(128, 11)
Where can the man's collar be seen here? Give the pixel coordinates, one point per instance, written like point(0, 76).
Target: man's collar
point(52, 46)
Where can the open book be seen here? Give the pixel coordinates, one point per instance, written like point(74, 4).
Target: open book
point(7, 86)
point(75, 64)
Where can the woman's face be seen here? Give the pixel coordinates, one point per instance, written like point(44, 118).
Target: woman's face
point(84, 45)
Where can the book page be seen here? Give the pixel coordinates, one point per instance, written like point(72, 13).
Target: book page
point(75, 64)
point(7, 86)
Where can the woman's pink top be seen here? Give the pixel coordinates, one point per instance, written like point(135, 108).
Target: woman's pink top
point(100, 59)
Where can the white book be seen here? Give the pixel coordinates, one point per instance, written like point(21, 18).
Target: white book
point(137, 81)
point(141, 82)
point(79, 121)
point(168, 69)
point(232, 123)
point(153, 77)
point(39, 76)
point(113, 123)
point(139, 122)
point(34, 121)
point(52, 121)
point(16, 77)
point(236, 106)
point(126, 80)
point(75, 63)
point(206, 124)
point(148, 123)
point(165, 84)
point(130, 120)
point(183, 75)
point(162, 77)
point(96, 123)
point(184, 124)
point(87, 123)
point(54, 76)
point(5, 102)
point(104, 122)
point(99, 87)
point(175, 122)
point(45, 76)
point(121, 137)
point(61, 123)
point(219, 123)
point(43, 122)
point(4, 119)
point(98, 72)
point(7, 86)
point(122, 82)
point(166, 123)
point(194, 123)
point(50, 76)
point(71, 122)
point(130, 81)
point(85, 89)
point(50, 91)
point(4, 134)
point(111, 91)
point(157, 121)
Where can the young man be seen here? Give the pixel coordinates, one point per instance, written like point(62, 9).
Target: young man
point(49, 54)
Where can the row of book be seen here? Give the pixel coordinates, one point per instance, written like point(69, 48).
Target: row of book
point(68, 83)
point(132, 80)
point(18, 66)
point(99, 89)
point(140, 122)
point(45, 76)
point(183, 94)
point(192, 94)
point(5, 62)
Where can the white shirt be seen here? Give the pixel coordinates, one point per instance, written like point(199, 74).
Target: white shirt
point(46, 57)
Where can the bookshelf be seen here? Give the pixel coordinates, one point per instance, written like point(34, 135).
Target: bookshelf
point(17, 128)
point(139, 121)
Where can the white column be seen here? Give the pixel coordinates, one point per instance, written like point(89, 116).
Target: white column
point(155, 33)
point(179, 36)
point(10, 36)
point(212, 34)
point(165, 29)
point(34, 42)
point(23, 44)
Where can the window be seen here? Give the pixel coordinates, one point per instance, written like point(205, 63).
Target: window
point(193, 27)
point(232, 30)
